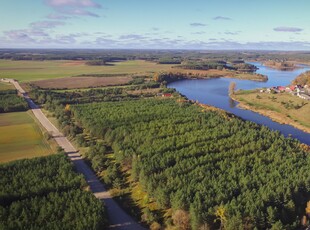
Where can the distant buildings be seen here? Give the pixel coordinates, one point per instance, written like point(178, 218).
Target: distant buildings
point(298, 90)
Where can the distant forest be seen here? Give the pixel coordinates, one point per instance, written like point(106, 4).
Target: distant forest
point(159, 56)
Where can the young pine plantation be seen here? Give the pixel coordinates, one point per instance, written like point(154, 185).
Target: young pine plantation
point(217, 169)
point(45, 193)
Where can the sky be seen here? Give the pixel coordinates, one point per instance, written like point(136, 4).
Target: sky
point(160, 24)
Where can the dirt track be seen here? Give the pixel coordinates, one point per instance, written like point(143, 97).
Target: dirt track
point(117, 217)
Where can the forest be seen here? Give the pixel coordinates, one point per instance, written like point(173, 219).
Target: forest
point(239, 65)
point(33, 191)
point(158, 56)
point(219, 170)
point(10, 102)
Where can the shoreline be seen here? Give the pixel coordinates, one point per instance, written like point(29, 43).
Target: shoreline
point(274, 116)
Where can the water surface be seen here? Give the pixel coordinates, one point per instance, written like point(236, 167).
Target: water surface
point(215, 92)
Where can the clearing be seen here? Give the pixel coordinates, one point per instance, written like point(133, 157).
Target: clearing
point(21, 137)
point(283, 107)
point(6, 86)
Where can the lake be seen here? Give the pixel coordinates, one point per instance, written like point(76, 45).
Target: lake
point(215, 92)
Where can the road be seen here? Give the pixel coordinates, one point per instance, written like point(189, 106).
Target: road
point(118, 218)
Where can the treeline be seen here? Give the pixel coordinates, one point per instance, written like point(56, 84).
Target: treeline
point(166, 60)
point(280, 64)
point(219, 65)
point(212, 170)
point(149, 55)
point(45, 193)
point(167, 77)
point(93, 95)
point(303, 79)
point(203, 65)
point(10, 102)
point(96, 62)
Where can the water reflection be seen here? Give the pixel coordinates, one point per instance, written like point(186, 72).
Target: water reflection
point(232, 103)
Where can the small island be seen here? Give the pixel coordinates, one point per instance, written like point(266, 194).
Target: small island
point(280, 65)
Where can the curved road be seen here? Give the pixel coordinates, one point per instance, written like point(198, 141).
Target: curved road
point(118, 219)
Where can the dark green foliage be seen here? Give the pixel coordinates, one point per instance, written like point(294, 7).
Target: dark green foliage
point(45, 193)
point(10, 102)
point(96, 62)
point(74, 209)
point(38, 176)
point(170, 61)
point(196, 161)
point(213, 64)
point(204, 65)
point(137, 81)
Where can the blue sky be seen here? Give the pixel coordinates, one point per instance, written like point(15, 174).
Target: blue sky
point(160, 24)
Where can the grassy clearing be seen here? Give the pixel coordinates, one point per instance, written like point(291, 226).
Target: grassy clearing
point(6, 86)
point(21, 137)
point(283, 107)
point(26, 71)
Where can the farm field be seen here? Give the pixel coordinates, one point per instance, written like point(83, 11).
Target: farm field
point(5, 86)
point(26, 71)
point(21, 137)
point(283, 107)
point(81, 82)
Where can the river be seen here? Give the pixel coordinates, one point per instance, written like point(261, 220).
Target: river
point(215, 92)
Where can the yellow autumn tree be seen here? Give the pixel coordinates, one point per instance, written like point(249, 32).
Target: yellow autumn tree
point(308, 209)
point(220, 213)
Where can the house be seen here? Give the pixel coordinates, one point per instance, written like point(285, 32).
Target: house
point(292, 87)
point(288, 89)
point(167, 95)
point(281, 88)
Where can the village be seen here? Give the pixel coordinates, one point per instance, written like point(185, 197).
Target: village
point(296, 90)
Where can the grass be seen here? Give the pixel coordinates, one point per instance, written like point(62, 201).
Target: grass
point(81, 82)
point(21, 137)
point(283, 107)
point(26, 71)
point(6, 86)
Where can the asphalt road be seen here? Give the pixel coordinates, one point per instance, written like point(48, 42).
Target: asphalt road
point(118, 218)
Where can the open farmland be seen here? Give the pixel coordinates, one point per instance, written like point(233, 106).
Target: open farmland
point(81, 82)
point(21, 137)
point(5, 86)
point(26, 71)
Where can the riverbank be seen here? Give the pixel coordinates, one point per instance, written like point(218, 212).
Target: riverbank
point(282, 108)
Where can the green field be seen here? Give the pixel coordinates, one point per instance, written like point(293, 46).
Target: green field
point(6, 86)
point(37, 70)
point(282, 107)
point(21, 137)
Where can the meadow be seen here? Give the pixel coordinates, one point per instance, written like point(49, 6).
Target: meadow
point(25, 71)
point(21, 137)
point(282, 107)
point(5, 86)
